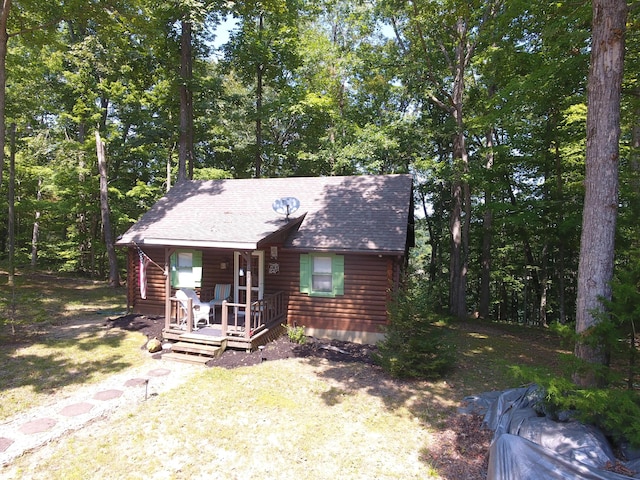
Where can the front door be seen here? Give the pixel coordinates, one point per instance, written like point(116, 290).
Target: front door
point(240, 269)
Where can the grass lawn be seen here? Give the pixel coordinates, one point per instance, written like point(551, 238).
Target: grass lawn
point(54, 339)
point(288, 419)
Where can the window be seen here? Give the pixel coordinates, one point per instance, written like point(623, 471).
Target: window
point(322, 275)
point(186, 269)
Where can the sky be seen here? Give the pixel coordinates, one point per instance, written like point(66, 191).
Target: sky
point(222, 31)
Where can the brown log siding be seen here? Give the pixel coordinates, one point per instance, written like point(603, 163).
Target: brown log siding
point(363, 307)
point(154, 303)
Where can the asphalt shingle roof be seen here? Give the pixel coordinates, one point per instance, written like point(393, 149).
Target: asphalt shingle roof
point(368, 213)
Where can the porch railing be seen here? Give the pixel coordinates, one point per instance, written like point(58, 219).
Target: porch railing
point(262, 314)
point(180, 317)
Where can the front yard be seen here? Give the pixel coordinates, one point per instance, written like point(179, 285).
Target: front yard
point(294, 418)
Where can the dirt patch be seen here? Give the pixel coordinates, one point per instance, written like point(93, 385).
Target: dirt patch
point(281, 348)
point(462, 450)
point(150, 326)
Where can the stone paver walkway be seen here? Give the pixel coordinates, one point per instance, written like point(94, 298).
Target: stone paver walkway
point(35, 428)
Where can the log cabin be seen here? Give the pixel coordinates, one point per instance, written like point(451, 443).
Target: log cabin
point(323, 253)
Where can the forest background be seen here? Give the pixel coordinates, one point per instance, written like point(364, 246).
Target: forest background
point(483, 102)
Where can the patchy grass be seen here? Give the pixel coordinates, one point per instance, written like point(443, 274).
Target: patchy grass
point(296, 418)
point(488, 352)
point(54, 339)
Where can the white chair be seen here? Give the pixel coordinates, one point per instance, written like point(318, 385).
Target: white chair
point(200, 309)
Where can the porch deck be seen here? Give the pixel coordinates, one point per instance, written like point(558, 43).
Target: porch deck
point(227, 328)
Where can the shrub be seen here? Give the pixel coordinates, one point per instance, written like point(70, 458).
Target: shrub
point(414, 345)
point(296, 334)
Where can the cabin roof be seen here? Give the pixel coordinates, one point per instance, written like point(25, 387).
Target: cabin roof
point(368, 213)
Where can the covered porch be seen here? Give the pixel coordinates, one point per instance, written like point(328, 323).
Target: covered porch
point(229, 325)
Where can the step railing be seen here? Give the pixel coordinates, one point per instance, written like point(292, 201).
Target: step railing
point(263, 314)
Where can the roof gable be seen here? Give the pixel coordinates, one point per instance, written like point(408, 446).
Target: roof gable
point(356, 213)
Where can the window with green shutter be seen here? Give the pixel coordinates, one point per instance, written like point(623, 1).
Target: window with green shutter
point(186, 269)
point(322, 275)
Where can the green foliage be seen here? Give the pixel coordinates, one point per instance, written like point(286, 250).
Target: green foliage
point(624, 310)
point(209, 173)
point(615, 411)
point(415, 343)
point(615, 408)
point(616, 332)
point(296, 334)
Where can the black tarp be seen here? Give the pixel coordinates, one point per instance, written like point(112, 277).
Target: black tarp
point(529, 446)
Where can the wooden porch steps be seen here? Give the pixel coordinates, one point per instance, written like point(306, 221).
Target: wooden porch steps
point(186, 358)
point(194, 350)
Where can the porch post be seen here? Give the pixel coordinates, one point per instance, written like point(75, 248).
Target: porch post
point(189, 315)
point(225, 318)
point(247, 311)
point(167, 288)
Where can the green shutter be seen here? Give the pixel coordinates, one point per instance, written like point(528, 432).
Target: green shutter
point(196, 268)
point(337, 270)
point(305, 273)
point(174, 269)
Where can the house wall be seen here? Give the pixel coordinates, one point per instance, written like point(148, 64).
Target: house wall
point(358, 315)
point(154, 303)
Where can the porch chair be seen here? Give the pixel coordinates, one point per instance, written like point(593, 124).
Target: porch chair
point(200, 309)
point(221, 292)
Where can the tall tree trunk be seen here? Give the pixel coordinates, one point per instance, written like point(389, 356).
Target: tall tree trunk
point(82, 216)
point(544, 287)
point(457, 285)
point(487, 232)
point(185, 148)
point(259, 85)
point(460, 190)
point(453, 104)
point(560, 269)
point(36, 229)
point(11, 202)
point(595, 268)
point(4, 40)
point(433, 240)
point(114, 279)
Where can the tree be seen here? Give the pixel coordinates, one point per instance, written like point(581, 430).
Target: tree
point(264, 54)
point(529, 92)
point(595, 269)
point(105, 212)
point(4, 39)
point(185, 148)
point(440, 41)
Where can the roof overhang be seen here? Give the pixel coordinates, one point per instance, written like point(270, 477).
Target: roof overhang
point(171, 242)
point(341, 251)
point(279, 234)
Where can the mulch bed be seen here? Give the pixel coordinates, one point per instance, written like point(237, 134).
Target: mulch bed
point(279, 349)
